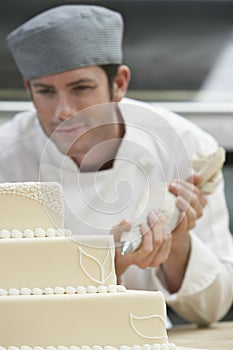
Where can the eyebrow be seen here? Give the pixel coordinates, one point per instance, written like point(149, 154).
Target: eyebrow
point(80, 81)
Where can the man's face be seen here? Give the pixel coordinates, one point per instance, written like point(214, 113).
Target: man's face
point(59, 98)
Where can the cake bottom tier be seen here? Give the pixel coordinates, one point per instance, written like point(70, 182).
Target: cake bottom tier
point(129, 318)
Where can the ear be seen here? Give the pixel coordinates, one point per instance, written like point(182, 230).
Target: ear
point(121, 82)
point(28, 88)
point(27, 84)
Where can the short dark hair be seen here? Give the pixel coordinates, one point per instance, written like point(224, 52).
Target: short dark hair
point(111, 72)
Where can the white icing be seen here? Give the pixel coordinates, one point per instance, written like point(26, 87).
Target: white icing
point(167, 346)
point(16, 234)
point(3, 292)
point(48, 290)
point(61, 290)
point(81, 290)
point(5, 234)
point(70, 290)
point(60, 233)
point(136, 347)
point(25, 291)
point(68, 232)
point(103, 278)
point(28, 233)
point(50, 232)
point(60, 347)
point(13, 291)
point(156, 347)
point(49, 193)
point(164, 347)
point(121, 288)
point(112, 288)
point(38, 232)
point(91, 289)
point(25, 347)
point(146, 347)
point(172, 346)
point(132, 318)
point(102, 289)
point(13, 348)
point(37, 291)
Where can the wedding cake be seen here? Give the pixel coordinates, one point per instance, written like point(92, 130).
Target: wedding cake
point(59, 293)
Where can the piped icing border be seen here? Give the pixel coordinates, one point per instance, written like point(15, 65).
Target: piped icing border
point(37, 232)
point(63, 290)
point(48, 193)
point(167, 346)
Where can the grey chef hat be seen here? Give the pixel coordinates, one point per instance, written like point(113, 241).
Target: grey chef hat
point(67, 37)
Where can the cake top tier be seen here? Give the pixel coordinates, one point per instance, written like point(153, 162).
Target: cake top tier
point(47, 258)
point(26, 205)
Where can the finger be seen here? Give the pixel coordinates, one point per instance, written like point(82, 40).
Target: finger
point(188, 190)
point(147, 240)
point(179, 186)
point(123, 226)
point(163, 251)
point(158, 225)
point(160, 236)
point(194, 179)
point(192, 195)
point(118, 229)
point(196, 191)
point(188, 211)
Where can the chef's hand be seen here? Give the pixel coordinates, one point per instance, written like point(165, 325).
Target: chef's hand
point(191, 203)
point(155, 246)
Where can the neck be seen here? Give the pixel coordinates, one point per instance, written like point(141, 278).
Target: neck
point(100, 157)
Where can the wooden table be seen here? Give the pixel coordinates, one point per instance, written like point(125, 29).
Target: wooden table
point(218, 336)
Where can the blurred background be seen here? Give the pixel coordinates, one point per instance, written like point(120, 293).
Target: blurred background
point(177, 50)
point(180, 54)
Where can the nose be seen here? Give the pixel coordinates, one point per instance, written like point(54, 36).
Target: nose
point(65, 108)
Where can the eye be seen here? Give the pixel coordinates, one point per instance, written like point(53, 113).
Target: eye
point(83, 87)
point(45, 91)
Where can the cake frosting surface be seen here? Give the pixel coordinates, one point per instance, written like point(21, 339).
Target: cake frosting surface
point(26, 205)
point(56, 262)
point(60, 293)
point(91, 319)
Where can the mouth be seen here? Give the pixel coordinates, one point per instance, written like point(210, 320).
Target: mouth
point(70, 130)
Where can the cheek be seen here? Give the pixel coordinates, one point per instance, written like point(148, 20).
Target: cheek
point(45, 120)
point(43, 108)
point(44, 113)
point(45, 126)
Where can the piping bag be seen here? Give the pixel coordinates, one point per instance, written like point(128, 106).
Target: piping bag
point(209, 168)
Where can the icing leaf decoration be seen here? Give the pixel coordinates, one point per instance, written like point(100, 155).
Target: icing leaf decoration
point(109, 255)
point(102, 279)
point(147, 319)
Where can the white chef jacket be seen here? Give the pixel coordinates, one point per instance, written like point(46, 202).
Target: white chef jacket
point(157, 147)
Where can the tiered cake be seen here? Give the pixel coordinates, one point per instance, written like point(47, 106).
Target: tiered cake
point(57, 292)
